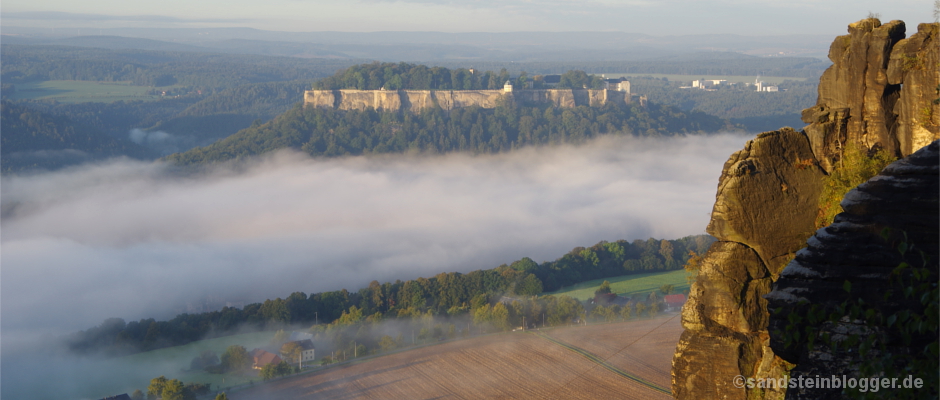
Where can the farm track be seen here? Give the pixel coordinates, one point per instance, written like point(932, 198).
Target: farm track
point(504, 366)
point(603, 363)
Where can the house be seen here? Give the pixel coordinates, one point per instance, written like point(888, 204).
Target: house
point(618, 84)
point(674, 301)
point(260, 358)
point(307, 350)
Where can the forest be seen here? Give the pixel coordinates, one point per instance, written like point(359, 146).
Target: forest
point(34, 139)
point(392, 76)
point(227, 101)
point(445, 294)
point(331, 133)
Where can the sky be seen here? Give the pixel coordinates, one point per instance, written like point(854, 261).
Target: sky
point(654, 17)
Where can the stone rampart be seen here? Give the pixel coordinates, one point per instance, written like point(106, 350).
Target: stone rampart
point(417, 100)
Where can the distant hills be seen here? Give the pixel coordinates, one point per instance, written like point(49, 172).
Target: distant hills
point(33, 139)
point(424, 46)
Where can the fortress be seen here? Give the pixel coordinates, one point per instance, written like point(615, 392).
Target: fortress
point(417, 100)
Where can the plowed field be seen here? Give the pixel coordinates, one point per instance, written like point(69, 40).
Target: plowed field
point(507, 366)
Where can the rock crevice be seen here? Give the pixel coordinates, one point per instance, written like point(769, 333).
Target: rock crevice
point(877, 95)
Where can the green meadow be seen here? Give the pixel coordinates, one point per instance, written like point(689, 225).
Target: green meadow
point(82, 91)
point(175, 360)
point(628, 285)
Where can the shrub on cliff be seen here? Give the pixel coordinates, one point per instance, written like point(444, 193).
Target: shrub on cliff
point(855, 167)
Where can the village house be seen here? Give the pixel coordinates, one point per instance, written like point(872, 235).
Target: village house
point(307, 350)
point(260, 358)
point(674, 301)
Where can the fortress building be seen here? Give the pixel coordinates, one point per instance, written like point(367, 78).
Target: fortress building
point(417, 100)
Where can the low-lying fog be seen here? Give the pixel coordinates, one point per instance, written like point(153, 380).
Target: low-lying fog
point(134, 240)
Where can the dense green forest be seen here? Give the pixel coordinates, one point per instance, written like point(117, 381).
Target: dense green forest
point(392, 76)
point(444, 294)
point(34, 139)
point(330, 132)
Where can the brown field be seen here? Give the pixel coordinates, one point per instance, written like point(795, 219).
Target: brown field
point(506, 366)
point(637, 347)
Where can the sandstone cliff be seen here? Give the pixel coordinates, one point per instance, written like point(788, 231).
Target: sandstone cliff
point(905, 198)
point(874, 96)
point(877, 92)
point(417, 100)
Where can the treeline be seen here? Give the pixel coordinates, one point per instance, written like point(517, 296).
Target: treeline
point(34, 139)
point(444, 294)
point(207, 71)
point(331, 132)
point(392, 76)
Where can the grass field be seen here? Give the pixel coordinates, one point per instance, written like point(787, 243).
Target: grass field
point(81, 91)
point(584, 362)
point(689, 78)
point(175, 360)
point(628, 285)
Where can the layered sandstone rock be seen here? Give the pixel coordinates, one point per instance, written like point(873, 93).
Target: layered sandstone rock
point(875, 95)
point(902, 198)
point(417, 100)
point(759, 221)
point(915, 65)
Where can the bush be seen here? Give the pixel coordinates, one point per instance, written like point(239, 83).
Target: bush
point(855, 168)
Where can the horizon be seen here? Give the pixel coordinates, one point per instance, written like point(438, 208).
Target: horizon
point(444, 16)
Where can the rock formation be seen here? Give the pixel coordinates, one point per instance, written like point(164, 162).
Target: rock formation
point(878, 91)
point(759, 220)
point(417, 100)
point(873, 96)
point(905, 198)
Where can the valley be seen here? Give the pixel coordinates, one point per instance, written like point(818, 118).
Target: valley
point(509, 365)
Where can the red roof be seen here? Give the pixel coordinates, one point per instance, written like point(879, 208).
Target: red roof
point(263, 358)
point(675, 298)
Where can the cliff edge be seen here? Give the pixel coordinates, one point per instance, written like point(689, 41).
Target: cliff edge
point(878, 94)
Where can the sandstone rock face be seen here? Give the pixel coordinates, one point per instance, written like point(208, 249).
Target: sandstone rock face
point(759, 220)
point(915, 65)
point(877, 94)
point(417, 100)
point(858, 103)
point(904, 197)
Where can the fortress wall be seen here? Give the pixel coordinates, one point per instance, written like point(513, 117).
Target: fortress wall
point(482, 98)
point(417, 100)
point(320, 98)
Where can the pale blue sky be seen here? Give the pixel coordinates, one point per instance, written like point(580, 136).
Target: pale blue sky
point(656, 17)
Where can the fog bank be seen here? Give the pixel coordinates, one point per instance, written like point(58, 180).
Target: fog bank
point(134, 240)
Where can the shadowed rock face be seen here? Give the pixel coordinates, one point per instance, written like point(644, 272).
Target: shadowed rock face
point(903, 198)
point(877, 94)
